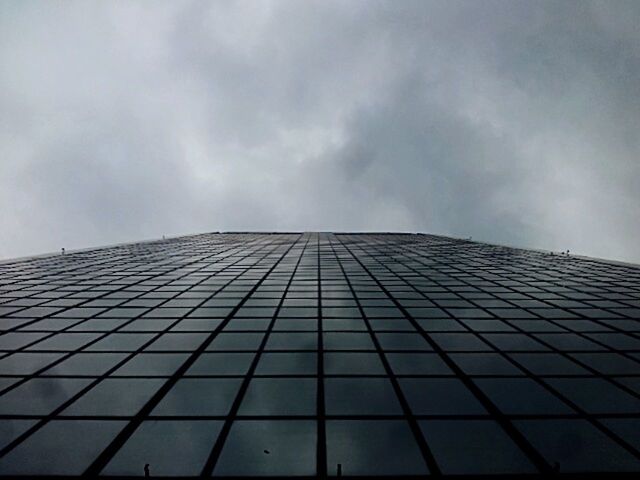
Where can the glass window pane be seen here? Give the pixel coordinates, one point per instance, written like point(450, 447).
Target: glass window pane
point(247, 324)
point(152, 364)
point(343, 324)
point(576, 446)
point(360, 396)
point(93, 364)
point(514, 342)
point(609, 363)
point(373, 447)
point(468, 447)
point(391, 325)
point(65, 341)
point(440, 396)
point(184, 342)
point(347, 341)
point(148, 325)
point(292, 341)
point(61, 447)
point(296, 324)
point(460, 342)
point(515, 396)
point(418, 364)
point(280, 396)
point(221, 364)
point(12, 429)
point(548, 364)
point(353, 363)
point(440, 325)
point(568, 342)
point(202, 396)
point(269, 448)
point(51, 324)
point(197, 325)
point(115, 396)
point(236, 341)
point(40, 396)
point(170, 447)
point(15, 340)
point(98, 325)
point(485, 364)
point(627, 428)
point(26, 363)
point(596, 395)
point(402, 341)
point(287, 363)
point(125, 342)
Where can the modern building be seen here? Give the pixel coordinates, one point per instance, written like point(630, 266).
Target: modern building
point(318, 355)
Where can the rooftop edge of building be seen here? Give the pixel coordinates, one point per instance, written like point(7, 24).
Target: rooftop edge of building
point(168, 238)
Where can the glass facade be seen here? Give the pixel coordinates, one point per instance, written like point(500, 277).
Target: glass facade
point(316, 355)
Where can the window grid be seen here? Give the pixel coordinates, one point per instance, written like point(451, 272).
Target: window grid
point(313, 350)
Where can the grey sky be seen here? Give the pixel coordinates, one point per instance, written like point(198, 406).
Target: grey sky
point(512, 122)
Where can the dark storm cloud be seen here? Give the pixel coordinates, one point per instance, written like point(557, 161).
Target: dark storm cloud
point(511, 122)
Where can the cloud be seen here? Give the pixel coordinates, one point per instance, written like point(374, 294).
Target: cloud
point(512, 123)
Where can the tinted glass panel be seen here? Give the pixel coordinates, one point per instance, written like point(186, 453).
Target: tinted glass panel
point(269, 448)
point(576, 446)
point(373, 447)
point(280, 396)
point(40, 396)
point(463, 447)
point(194, 397)
point(170, 447)
point(245, 354)
point(64, 447)
point(117, 396)
point(368, 396)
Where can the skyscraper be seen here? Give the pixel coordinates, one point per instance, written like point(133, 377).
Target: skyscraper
point(316, 355)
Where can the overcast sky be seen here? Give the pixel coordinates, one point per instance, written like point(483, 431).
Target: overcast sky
point(512, 122)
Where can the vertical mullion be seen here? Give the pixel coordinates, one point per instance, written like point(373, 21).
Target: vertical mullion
point(214, 455)
point(101, 461)
point(408, 414)
point(583, 413)
point(534, 456)
point(43, 421)
point(321, 447)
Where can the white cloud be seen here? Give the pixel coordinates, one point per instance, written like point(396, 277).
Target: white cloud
point(514, 124)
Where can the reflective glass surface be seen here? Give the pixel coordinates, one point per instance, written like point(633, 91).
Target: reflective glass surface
point(287, 354)
point(460, 447)
point(269, 448)
point(373, 447)
point(61, 447)
point(170, 447)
